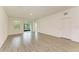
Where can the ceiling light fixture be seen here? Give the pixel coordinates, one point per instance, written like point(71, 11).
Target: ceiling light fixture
point(30, 14)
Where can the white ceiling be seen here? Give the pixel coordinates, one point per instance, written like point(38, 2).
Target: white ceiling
point(37, 11)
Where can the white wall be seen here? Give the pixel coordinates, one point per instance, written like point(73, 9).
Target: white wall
point(61, 26)
point(3, 26)
point(12, 29)
point(34, 26)
point(74, 13)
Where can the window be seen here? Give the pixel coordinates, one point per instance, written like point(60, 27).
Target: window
point(17, 25)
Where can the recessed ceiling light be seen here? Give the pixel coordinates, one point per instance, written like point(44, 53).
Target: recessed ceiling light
point(30, 14)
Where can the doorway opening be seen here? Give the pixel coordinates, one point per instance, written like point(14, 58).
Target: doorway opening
point(27, 27)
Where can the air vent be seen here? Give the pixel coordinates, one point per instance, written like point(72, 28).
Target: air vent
point(65, 13)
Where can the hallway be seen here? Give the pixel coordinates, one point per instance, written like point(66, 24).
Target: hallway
point(18, 29)
point(27, 42)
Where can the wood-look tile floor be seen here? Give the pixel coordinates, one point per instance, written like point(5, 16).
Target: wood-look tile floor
point(29, 42)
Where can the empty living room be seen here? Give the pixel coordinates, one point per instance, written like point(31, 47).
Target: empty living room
point(39, 29)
